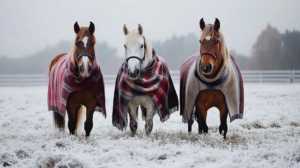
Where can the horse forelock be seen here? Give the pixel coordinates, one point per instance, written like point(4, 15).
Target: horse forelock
point(133, 37)
point(209, 31)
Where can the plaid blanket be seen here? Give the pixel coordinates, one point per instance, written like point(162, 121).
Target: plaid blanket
point(64, 79)
point(155, 82)
point(228, 80)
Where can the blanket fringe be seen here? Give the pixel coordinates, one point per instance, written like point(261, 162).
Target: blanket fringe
point(172, 110)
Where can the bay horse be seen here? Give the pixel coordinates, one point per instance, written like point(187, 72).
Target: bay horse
point(143, 80)
point(82, 58)
point(210, 75)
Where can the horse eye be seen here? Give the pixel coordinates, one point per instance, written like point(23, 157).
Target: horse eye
point(200, 41)
point(142, 46)
point(76, 44)
point(93, 44)
point(125, 46)
point(217, 42)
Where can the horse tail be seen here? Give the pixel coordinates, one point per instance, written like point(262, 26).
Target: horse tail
point(80, 121)
point(59, 121)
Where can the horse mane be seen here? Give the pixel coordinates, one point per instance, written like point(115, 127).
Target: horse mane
point(133, 36)
point(83, 32)
point(209, 31)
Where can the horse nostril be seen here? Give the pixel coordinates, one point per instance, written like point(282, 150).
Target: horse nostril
point(89, 69)
point(209, 67)
point(81, 69)
point(137, 72)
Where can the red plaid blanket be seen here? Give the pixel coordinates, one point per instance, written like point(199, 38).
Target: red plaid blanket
point(64, 79)
point(155, 82)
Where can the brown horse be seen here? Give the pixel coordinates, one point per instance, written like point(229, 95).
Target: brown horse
point(214, 54)
point(82, 57)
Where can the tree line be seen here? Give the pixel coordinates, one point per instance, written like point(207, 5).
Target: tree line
point(272, 51)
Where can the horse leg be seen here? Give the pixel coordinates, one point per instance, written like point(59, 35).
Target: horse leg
point(88, 124)
point(190, 124)
point(72, 119)
point(223, 118)
point(201, 112)
point(149, 118)
point(133, 113)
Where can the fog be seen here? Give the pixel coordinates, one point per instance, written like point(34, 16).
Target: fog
point(31, 26)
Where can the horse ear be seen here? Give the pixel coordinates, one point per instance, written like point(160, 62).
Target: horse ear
point(217, 25)
point(202, 24)
point(125, 30)
point(140, 29)
point(92, 28)
point(76, 28)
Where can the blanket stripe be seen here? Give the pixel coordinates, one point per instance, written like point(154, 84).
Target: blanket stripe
point(184, 70)
point(155, 82)
point(65, 79)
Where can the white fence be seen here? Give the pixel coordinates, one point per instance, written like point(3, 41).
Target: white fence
point(283, 76)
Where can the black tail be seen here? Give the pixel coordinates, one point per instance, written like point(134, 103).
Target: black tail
point(59, 121)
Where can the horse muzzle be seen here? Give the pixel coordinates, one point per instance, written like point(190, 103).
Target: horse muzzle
point(85, 71)
point(133, 75)
point(206, 70)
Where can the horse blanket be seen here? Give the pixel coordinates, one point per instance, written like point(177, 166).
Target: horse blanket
point(228, 80)
point(155, 82)
point(65, 79)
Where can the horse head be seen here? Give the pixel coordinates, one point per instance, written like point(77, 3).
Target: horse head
point(83, 51)
point(137, 51)
point(210, 47)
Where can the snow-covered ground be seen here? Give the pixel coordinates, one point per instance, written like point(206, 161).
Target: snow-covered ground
point(268, 136)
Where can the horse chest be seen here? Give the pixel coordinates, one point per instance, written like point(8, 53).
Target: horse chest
point(83, 96)
point(210, 98)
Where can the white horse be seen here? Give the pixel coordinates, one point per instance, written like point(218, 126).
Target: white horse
point(138, 54)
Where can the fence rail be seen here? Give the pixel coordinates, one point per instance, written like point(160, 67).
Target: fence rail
point(283, 76)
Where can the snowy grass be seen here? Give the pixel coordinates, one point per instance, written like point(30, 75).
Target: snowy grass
point(268, 136)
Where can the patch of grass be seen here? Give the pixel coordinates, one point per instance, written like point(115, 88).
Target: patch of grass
point(162, 157)
point(58, 161)
point(236, 139)
point(275, 125)
point(267, 155)
point(21, 154)
point(294, 124)
point(255, 124)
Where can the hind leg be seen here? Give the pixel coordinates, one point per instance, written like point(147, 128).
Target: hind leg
point(201, 113)
point(133, 113)
point(223, 119)
point(88, 124)
point(72, 119)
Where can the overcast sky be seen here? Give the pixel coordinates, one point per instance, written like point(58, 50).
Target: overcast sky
point(29, 26)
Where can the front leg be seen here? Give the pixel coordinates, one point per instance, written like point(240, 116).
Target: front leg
point(149, 118)
point(133, 111)
point(201, 113)
point(72, 118)
point(223, 118)
point(88, 124)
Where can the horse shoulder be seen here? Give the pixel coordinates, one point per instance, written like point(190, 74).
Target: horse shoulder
point(55, 60)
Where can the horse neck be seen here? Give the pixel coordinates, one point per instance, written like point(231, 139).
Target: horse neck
point(145, 63)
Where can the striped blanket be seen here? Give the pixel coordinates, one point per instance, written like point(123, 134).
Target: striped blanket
point(64, 79)
point(228, 80)
point(155, 82)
